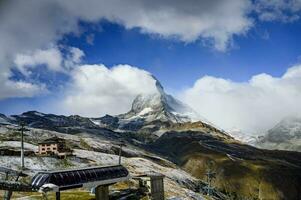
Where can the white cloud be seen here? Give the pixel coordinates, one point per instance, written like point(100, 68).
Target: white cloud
point(25, 27)
point(76, 54)
point(30, 25)
point(52, 58)
point(11, 88)
point(252, 106)
point(72, 58)
point(186, 20)
point(278, 10)
point(96, 90)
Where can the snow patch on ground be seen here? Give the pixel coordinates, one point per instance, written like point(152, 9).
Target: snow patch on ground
point(96, 122)
point(17, 144)
point(39, 114)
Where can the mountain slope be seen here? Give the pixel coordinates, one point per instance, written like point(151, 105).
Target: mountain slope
point(50, 121)
point(4, 120)
point(242, 171)
point(285, 135)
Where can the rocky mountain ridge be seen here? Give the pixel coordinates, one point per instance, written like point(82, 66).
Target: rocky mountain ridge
point(150, 116)
point(285, 135)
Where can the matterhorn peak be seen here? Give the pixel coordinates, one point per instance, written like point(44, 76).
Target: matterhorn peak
point(158, 105)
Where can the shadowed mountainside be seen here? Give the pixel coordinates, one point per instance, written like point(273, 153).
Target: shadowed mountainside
point(242, 170)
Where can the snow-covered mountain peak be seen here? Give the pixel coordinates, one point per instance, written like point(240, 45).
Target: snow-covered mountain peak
point(160, 106)
point(284, 135)
point(288, 127)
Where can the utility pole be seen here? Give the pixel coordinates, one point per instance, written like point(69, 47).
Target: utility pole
point(210, 175)
point(22, 129)
point(120, 151)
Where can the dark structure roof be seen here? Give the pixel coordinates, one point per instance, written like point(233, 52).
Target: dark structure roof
point(15, 186)
point(9, 171)
point(67, 179)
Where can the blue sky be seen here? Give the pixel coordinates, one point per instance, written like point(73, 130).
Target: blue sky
point(177, 64)
point(232, 50)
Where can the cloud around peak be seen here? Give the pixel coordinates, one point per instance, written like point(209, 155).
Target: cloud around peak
point(253, 106)
point(96, 90)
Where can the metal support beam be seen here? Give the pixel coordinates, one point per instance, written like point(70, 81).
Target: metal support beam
point(58, 195)
point(7, 195)
point(102, 192)
point(22, 148)
point(120, 151)
point(22, 129)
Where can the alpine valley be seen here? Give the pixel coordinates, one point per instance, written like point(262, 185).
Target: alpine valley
point(164, 135)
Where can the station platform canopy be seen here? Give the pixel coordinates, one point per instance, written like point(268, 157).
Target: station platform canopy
point(85, 177)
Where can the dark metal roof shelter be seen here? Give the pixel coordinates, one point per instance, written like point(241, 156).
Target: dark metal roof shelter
point(15, 186)
point(9, 171)
point(67, 179)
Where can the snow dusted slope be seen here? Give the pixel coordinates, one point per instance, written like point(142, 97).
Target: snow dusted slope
point(4, 119)
point(285, 135)
point(243, 137)
point(288, 128)
point(159, 106)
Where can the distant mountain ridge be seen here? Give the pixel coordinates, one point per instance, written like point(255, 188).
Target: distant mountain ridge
point(286, 135)
point(150, 115)
point(47, 121)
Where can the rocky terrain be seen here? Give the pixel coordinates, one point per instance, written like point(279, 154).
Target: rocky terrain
point(90, 150)
point(162, 135)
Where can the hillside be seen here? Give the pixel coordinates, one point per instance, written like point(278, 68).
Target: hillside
point(242, 170)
